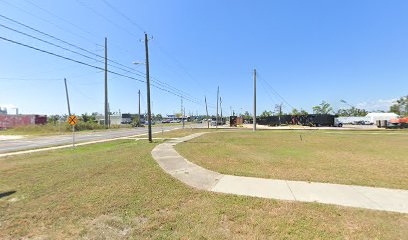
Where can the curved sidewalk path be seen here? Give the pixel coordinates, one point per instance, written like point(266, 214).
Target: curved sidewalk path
point(383, 199)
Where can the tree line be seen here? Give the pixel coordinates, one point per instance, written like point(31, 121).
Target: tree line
point(399, 107)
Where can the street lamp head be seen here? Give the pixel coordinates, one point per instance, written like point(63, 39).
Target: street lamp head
point(137, 63)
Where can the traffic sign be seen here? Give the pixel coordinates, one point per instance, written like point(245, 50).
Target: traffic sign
point(72, 120)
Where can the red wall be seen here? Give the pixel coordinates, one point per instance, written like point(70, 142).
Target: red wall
point(10, 121)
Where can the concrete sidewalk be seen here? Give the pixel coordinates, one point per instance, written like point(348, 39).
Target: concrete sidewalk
point(383, 199)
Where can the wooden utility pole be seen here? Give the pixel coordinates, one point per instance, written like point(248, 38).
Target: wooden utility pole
point(66, 92)
point(216, 119)
point(69, 113)
point(254, 117)
point(138, 118)
point(106, 85)
point(182, 115)
point(109, 116)
point(206, 109)
point(222, 121)
point(149, 113)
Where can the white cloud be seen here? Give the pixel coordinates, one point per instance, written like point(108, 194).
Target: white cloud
point(380, 104)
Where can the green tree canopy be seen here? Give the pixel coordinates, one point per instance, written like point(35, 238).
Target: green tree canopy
point(353, 111)
point(323, 108)
point(400, 106)
point(266, 114)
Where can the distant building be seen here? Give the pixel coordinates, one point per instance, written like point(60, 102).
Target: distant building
point(127, 118)
point(374, 117)
point(116, 119)
point(3, 111)
point(351, 120)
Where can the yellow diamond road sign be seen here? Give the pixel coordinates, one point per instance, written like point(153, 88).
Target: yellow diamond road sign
point(72, 120)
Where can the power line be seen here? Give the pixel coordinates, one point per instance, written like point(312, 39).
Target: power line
point(83, 55)
point(50, 43)
point(75, 25)
point(44, 20)
point(106, 19)
point(124, 16)
point(46, 79)
point(56, 16)
point(63, 41)
point(137, 26)
point(270, 86)
point(89, 65)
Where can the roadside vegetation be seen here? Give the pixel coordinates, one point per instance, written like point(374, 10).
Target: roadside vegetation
point(116, 190)
point(368, 158)
point(55, 129)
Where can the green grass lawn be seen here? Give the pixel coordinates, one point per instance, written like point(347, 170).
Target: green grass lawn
point(370, 158)
point(116, 190)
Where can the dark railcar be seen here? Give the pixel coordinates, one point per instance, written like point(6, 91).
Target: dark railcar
point(305, 120)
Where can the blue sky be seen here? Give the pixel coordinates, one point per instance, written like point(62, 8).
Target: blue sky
point(307, 51)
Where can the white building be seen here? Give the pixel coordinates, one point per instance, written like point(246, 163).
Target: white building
point(351, 120)
point(374, 117)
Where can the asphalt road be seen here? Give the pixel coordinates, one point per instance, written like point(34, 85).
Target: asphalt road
point(41, 142)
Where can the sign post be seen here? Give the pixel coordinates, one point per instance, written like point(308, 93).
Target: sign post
point(73, 120)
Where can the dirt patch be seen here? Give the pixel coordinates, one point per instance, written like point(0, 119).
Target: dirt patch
point(107, 227)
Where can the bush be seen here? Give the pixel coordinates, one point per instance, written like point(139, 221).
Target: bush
point(136, 122)
point(81, 126)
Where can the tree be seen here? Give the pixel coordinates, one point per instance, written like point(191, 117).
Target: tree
point(353, 111)
point(87, 118)
point(295, 112)
point(159, 117)
point(323, 108)
point(303, 112)
point(247, 116)
point(400, 106)
point(266, 114)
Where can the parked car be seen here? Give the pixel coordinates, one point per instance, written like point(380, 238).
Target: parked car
point(147, 123)
point(166, 121)
point(362, 122)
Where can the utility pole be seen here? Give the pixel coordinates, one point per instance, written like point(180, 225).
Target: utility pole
point(66, 92)
point(109, 116)
point(216, 119)
point(138, 117)
point(280, 113)
point(69, 112)
point(106, 84)
point(222, 121)
point(254, 118)
point(182, 115)
point(149, 114)
point(206, 109)
point(278, 108)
